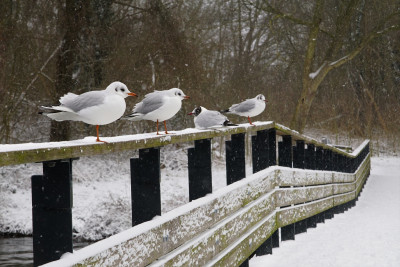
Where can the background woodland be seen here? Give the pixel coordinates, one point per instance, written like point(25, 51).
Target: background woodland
point(328, 65)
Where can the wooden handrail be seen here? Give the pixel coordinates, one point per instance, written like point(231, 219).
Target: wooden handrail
point(13, 154)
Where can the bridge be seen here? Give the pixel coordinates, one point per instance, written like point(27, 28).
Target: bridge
point(297, 182)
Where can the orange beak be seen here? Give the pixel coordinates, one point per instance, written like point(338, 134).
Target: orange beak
point(132, 94)
point(186, 97)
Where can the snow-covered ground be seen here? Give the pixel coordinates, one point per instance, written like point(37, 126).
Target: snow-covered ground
point(366, 235)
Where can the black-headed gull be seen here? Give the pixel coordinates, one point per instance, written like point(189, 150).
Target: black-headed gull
point(248, 108)
point(204, 118)
point(94, 107)
point(158, 106)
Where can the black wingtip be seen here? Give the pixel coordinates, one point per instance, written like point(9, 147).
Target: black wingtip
point(224, 111)
point(228, 123)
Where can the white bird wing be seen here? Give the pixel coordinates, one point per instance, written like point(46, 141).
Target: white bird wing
point(210, 118)
point(85, 100)
point(244, 106)
point(150, 103)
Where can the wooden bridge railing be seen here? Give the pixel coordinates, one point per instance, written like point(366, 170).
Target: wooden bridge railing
point(304, 183)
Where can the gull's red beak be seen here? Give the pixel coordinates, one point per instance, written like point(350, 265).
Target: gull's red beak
point(186, 97)
point(191, 113)
point(132, 94)
point(266, 101)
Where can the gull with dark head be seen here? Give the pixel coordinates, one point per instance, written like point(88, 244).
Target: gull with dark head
point(94, 107)
point(204, 118)
point(248, 108)
point(158, 106)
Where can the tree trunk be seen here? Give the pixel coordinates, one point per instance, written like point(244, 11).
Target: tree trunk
point(65, 83)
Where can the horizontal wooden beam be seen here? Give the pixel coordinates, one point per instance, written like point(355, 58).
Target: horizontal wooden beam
point(13, 154)
point(223, 228)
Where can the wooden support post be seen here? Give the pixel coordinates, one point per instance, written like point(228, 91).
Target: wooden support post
point(319, 158)
point(200, 175)
point(235, 158)
point(287, 232)
point(52, 211)
point(298, 155)
point(275, 239)
point(271, 147)
point(312, 221)
point(265, 248)
point(300, 227)
point(329, 214)
point(259, 146)
point(310, 162)
point(145, 185)
point(285, 151)
point(245, 263)
point(320, 217)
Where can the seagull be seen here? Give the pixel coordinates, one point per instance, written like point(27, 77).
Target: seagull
point(158, 106)
point(248, 108)
point(94, 107)
point(204, 118)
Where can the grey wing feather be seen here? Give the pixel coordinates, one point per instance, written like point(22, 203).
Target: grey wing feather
point(150, 103)
point(245, 106)
point(85, 100)
point(211, 118)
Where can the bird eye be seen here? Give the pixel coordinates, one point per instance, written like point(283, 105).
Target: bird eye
point(116, 90)
point(122, 90)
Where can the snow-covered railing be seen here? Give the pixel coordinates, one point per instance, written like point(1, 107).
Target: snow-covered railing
point(312, 182)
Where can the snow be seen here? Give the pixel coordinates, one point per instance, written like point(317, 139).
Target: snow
point(91, 140)
point(314, 74)
point(366, 235)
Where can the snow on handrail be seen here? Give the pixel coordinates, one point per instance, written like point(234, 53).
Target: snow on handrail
point(13, 154)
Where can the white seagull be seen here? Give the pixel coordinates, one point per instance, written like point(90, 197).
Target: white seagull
point(158, 106)
point(204, 118)
point(248, 108)
point(94, 107)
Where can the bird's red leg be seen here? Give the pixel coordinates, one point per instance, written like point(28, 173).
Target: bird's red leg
point(250, 121)
point(165, 126)
point(157, 128)
point(98, 139)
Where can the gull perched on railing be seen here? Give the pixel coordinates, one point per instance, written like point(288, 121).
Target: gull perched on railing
point(94, 107)
point(248, 108)
point(158, 106)
point(204, 118)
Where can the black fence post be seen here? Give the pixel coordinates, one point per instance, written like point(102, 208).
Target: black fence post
point(299, 155)
point(310, 162)
point(259, 146)
point(319, 158)
point(271, 147)
point(275, 239)
point(145, 185)
point(285, 151)
point(265, 248)
point(287, 232)
point(52, 211)
point(200, 175)
point(300, 227)
point(235, 158)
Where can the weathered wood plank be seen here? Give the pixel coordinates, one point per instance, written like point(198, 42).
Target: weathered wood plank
point(38, 152)
point(341, 199)
point(184, 226)
point(223, 229)
point(291, 177)
point(289, 196)
point(343, 188)
point(207, 246)
point(294, 214)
